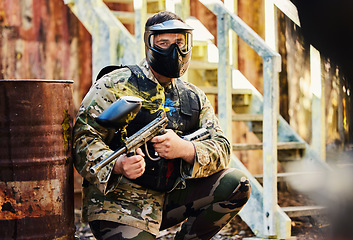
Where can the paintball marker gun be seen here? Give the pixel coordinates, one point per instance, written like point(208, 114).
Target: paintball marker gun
point(123, 111)
point(118, 115)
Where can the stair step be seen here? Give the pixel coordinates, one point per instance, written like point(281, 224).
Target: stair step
point(240, 96)
point(259, 146)
point(302, 211)
point(247, 117)
point(344, 165)
point(197, 64)
point(126, 17)
point(126, 1)
point(118, 1)
point(235, 91)
point(283, 176)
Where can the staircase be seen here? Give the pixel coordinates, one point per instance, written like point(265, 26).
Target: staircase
point(296, 158)
point(234, 98)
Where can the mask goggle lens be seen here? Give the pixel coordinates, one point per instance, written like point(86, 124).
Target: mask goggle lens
point(165, 40)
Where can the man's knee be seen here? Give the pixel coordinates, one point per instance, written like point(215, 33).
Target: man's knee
point(233, 186)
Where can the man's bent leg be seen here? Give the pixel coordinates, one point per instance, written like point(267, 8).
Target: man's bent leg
point(106, 230)
point(208, 203)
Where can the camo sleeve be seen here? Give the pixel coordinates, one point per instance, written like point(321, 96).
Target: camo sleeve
point(212, 155)
point(90, 139)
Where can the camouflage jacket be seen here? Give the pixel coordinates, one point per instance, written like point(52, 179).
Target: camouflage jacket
point(110, 197)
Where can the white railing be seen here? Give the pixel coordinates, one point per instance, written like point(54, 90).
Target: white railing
point(110, 39)
point(271, 66)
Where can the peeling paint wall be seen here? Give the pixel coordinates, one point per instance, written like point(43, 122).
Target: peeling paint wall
point(42, 39)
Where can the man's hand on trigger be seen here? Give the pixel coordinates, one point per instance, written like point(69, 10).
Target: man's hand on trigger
point(131, 167)
point(170, 145)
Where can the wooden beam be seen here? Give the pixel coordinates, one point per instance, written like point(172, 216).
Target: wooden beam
point(195, 64)
point(247, 117)
point(301, 211)
point(127, 1)
point(124, 16)
point(235, 91)
point(282, 177)
point(259, 146)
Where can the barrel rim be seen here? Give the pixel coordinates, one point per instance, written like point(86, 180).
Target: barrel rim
point(36, 80)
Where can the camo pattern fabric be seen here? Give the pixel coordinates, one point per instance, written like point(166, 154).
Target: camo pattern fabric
point(114, 198)
point(208, 204)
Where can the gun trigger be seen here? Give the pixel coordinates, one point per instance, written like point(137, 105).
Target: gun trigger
point(153, 159)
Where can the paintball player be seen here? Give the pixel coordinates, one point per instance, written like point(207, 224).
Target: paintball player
point(134, 197)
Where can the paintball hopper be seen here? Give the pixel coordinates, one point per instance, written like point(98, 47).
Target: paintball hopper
point(120, 113)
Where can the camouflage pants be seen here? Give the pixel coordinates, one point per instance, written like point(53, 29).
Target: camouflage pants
point(208, 204)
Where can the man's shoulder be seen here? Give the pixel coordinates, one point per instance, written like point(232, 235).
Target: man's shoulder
point(119, 74)
point(122, 72)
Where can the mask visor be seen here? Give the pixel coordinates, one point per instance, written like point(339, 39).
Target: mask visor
point(163, 42)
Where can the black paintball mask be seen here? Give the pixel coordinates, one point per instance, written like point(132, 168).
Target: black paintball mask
point(168, 47)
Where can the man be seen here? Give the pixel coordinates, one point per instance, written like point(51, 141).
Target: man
point(135, 197)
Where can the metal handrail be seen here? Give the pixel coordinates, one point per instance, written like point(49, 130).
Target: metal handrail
point(226, 21)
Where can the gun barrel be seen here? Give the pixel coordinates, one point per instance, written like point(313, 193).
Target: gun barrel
point(94, 170)
point(198, 135)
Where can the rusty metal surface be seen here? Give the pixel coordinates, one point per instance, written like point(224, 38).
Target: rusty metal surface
point(36, 175)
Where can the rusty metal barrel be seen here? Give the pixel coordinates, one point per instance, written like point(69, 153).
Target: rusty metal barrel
point(36, 172)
